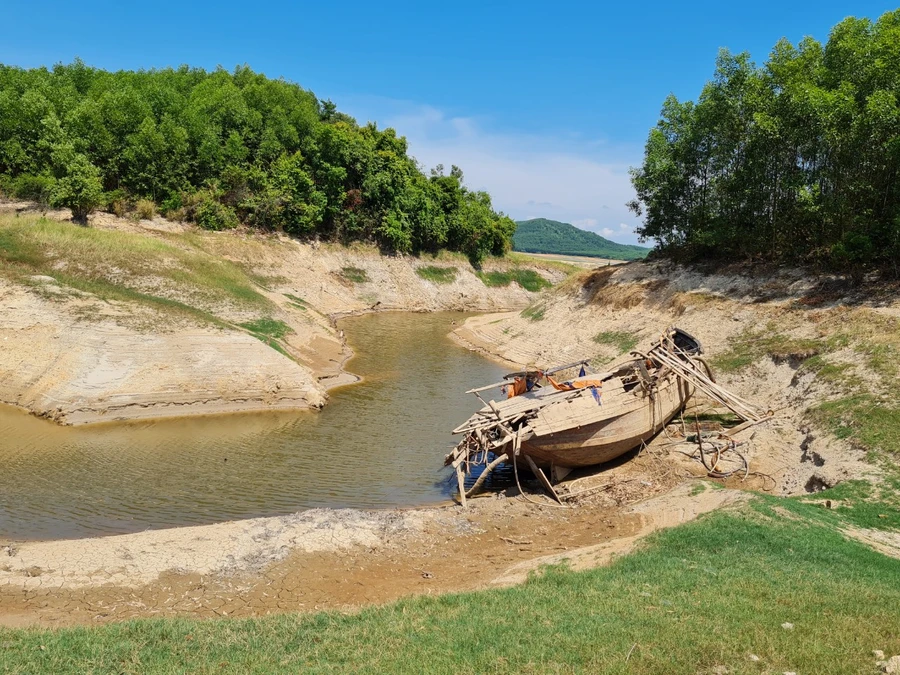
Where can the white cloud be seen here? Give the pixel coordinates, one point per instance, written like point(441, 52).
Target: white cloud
point(575, 180)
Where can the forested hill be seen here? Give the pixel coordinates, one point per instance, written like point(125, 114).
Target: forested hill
point(797, 159)
point(223, 147)
point(540, 235)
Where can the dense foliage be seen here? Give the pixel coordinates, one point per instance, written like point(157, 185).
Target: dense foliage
point(797, 159)
point(222, 148)
point(540, 235)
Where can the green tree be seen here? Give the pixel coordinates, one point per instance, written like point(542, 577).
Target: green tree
point(79, 189)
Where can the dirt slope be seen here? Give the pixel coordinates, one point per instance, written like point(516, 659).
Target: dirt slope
point(77, 357)
point(778, 319)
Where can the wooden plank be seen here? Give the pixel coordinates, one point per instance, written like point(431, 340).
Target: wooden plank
point(486, 387)
point(462, 487)
point(546, 483)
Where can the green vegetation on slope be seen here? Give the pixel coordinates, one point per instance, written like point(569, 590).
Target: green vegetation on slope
point(622, 341)
point(120, 265)
point(796, 159)
point(540, 235)
point(527, 279)
point(704, 595)
point(863, 408)
point(437, 275)
point(221, 148)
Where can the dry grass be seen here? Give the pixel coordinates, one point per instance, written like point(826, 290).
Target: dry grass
point(165, 273)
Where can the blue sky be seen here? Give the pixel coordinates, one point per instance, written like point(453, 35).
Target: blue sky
point(544, 105)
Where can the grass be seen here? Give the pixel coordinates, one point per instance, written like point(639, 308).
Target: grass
point(865, 419)
point(438, 275)
point(704, 595)
point(268, 327)
point(833, 373)
point(270, 331)
point(752, 345)
point(122, 266)
point(355, 274)
point(527, 279)
point(534, 312)
point(299, 303)
point(859, 503)
point(622, 341)
point(520, 258)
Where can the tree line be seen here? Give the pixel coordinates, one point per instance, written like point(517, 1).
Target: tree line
point(797, 159)
point(221, 148)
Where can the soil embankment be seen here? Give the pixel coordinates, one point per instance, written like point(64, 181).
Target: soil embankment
point(131, 320)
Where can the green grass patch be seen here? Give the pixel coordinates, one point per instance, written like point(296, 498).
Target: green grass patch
point(704, 595)
point(622, 341)
point(355, 274)
point(268, 327)
point(833, 373)
point(859, 503)
point(299, 303)
point(519, 258)
point(270, 331)
point(527, 279)
point(534, 312)
point(106, 291)
point(883, 358)
point(865, 419)
point(120, 265)
point(438, 275)
point(748, 347)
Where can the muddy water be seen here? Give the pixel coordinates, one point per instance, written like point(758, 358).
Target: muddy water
point(379, 443)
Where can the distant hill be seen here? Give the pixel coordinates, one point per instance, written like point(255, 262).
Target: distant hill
point(540, 235)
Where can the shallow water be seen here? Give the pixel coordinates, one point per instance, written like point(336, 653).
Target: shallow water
point(379, 443)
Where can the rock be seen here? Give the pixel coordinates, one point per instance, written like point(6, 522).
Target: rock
point(720, 670)
point(892, 665)
point(878, 654)
point(753, 657)
point(787, 626)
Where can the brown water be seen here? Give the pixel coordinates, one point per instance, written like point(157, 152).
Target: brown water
point(379, 443)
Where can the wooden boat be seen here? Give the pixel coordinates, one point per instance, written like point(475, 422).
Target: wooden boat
point(586, 420)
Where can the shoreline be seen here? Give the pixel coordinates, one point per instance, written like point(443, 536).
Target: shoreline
point(78, 358)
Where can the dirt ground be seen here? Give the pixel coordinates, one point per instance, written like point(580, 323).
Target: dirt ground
point(345, 559)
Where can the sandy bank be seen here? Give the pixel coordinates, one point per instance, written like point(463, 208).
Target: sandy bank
point(324, 558)
point(77, 357)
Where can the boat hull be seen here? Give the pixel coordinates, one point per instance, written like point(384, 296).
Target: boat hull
point(631, 423)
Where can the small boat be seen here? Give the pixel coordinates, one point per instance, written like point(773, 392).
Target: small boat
point(561, 424)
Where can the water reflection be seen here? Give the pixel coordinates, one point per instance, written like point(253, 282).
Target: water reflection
point(377, 444)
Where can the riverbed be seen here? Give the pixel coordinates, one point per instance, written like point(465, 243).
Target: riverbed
point(378, 443)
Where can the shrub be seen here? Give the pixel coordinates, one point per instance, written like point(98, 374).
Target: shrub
point(34, 188)
point(211, 215)
point(145, 209)
point(116, 201)
point(80, 189)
